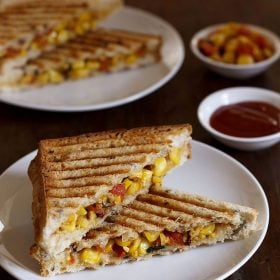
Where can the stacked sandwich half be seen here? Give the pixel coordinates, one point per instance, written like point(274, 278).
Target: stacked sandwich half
point(47, 42)
point(98, 200)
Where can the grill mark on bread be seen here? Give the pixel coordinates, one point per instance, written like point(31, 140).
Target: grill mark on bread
point(105, 147)
point(102, 153)
point(171, 214)
point(196, 200)
point(85, 181)
point(88, 172)
point(185, 207)
point(91, 163)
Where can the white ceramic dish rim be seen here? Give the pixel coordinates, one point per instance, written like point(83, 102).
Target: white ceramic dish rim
point(207, 126)
point(267, 33)
point(10, 266)
point(133, 97)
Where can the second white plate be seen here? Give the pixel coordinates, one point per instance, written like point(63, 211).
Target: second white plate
point(113, 89)
point(210, 173)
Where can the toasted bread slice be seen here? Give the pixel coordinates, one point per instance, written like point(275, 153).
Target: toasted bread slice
point(91, 54)
point(78, 181)
point(157, 223)
point(30, 27)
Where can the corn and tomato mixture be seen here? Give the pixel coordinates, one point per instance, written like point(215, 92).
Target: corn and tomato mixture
point(236, 43)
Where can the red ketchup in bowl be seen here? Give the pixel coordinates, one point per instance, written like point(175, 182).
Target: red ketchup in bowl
point(247, 119)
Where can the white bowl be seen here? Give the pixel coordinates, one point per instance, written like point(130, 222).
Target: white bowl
point(234, 95)
point(233, 70)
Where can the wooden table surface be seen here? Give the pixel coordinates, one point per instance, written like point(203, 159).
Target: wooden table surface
point(175, 102)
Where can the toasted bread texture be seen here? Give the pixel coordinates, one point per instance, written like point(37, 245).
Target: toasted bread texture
point(87, 172)
point(161, 222)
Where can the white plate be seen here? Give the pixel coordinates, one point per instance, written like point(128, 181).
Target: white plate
point(210, 172)
point(113, 89)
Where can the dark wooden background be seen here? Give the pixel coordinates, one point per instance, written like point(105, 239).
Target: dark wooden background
point(176, 102)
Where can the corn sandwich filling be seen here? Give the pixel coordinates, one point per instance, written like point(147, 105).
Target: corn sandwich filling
point(149, 176)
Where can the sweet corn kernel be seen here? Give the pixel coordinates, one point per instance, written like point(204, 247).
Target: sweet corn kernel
point(104, 198)
point(55, 76)
point(92, 217)
point(147, 176)
point(82, 222)
point(144, 245)
point(60, 26)
point(218, 39)
point(82, 211)
point(26, 79)
point(43, 78)
point(90, 256)
point(175, 155)
point(131, 59)
point(133, 249)
point(63, 36)
point(202, 232)
point(245, 59)
point(157, 180)
point(92, 65)
point(70, 223)
point(160, 166)
point(116, 60)
point(126, 249)
point(109, 246)
point(151, 235)
point(163, 239)
point(22, 53)
point(117, 199)
point(78, 64)
point(133, 188)
point(229, 57)
point(231, 45)
point(79, 73)
point(123, 243)
point(127, 183)
point(208, 229)
point(137, 174)
point(52, 37)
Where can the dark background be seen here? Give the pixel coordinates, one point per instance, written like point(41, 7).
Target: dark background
point(176, 102)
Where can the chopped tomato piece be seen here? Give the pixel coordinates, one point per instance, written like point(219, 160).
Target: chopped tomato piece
point(71, 259)
point(262, 42)
point(119, 250)
point(118, 190)
point(207, 48)
point(11, 52)
point(244, 48)
point(176, 238)
point(243, 30)
point(105, 64)
point(41, 41)
point(97, 208)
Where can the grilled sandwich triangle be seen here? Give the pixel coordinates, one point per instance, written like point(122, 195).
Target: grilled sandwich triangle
point(158, 223)
point(79, 181)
